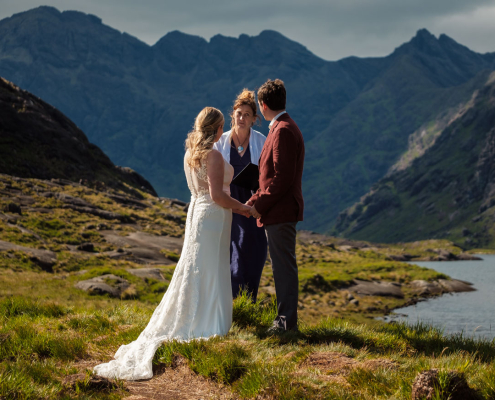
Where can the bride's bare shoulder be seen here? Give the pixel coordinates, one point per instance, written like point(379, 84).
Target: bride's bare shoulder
point(214, 157)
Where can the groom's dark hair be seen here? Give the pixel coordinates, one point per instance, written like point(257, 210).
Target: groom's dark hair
point(273, 94)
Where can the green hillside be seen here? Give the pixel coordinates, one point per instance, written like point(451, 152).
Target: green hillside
point(445, 191)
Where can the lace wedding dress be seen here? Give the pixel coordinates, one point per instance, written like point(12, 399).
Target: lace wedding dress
point(198, 302)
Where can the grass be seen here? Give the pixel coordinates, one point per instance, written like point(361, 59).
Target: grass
point(41, 343)
point(49, 330)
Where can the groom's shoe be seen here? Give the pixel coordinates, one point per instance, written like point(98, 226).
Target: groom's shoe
point(280, 326)
point(275, 330)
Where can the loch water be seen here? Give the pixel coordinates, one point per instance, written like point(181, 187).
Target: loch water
point(472, 313)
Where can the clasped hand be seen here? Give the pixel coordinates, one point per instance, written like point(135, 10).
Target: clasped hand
point(248, 211)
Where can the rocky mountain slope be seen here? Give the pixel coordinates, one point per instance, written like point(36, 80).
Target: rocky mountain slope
point(447, 191)
point(137, 102)
point(38, 141)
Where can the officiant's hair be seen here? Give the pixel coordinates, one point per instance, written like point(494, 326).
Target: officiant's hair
point(245, 98)
point(200, 140)
point(273, 94)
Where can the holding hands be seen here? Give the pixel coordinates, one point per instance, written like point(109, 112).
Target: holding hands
point(254, 213)
point(244, 209)
point(247, 211)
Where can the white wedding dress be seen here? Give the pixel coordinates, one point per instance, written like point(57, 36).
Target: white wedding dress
point(198, 302)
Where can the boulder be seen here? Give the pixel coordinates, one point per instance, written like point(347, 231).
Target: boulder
point(89, 247)
point(104, 284)
point(371, 288)
point(151, 273)
point(426, 386)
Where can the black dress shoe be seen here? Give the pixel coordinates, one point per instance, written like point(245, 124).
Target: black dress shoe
point(275, 330)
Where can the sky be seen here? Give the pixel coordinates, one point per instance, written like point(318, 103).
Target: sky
point(331, 29)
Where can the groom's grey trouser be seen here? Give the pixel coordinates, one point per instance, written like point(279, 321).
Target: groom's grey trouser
point(282, 246)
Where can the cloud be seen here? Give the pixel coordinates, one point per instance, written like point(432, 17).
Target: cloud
point(332, 29)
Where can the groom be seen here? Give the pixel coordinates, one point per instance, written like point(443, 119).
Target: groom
point(278, 204)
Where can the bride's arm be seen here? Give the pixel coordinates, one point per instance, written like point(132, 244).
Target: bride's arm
point(215, 168)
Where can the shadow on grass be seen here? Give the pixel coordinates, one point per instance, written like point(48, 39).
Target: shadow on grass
point(390, 338)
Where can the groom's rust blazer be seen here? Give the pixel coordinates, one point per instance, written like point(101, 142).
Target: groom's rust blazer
point(279, 198)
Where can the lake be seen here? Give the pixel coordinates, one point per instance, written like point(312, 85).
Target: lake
point(472, 313)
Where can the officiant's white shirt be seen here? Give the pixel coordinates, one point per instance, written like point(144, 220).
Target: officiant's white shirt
point(256, 142)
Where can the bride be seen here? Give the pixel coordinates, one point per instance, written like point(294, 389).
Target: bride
point(198, 302)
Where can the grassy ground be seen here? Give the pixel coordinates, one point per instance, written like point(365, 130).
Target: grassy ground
point(42, 343)
point(51, 332)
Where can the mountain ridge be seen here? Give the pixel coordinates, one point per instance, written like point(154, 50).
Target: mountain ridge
point(137, 102)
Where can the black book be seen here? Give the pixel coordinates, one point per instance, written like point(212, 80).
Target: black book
point(248, 178)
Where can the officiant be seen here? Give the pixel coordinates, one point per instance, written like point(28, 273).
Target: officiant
point(248, 245)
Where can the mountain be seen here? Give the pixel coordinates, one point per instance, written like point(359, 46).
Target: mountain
point(365, 138)
point(446, 191)
point(137, 102)
point(38, 141)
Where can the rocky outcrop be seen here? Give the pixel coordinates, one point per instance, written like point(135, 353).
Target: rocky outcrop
point(105, 284)
point(427, 288)
point(372, 288)
point(147, 273)
point(38, 141)
point(45, 259)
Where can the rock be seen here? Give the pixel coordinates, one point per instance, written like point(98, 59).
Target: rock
point(444, 255)
point(368, 288)
point(454, 285)
point(425, 288)
point(128, 201)
point(45, 259)
point(354, 302)
point(151, 273)
point(145, 248)
point(426, 386)
point(350, 297)
point(170, 217)
point(99, 213)
point(89, 247)
point(13, 208)
point(99, 285)
point(466, 232)
point(398, 257)
point(76, 201)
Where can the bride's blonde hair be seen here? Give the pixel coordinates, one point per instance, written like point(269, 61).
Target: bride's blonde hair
point(200, 140)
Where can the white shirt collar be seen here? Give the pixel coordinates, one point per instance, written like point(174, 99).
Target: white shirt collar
point(275, 118)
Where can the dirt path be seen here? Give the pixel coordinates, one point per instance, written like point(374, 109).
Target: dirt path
point(173, 383)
